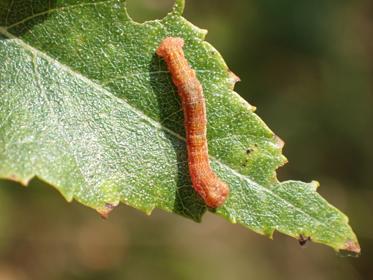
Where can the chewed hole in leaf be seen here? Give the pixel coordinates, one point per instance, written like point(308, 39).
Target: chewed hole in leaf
point(145, 10)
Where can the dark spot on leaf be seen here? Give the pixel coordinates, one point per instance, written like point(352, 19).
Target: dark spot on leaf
point(244, 164)
point(249, 151)
point(303, 240)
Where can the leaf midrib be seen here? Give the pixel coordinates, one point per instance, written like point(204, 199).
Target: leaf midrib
point(141, 114)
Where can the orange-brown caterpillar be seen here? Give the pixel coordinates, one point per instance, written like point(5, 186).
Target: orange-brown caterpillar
point(204, 180)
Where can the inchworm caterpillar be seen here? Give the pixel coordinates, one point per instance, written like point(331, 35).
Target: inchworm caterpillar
point(204, 180)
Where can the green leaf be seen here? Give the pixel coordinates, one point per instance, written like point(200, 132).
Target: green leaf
point(88, 107)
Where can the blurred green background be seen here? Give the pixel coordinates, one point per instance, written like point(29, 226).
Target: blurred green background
point(307, 66)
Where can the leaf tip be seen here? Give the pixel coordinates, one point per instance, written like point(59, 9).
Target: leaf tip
point(315, 185)
point(231, 218)
point(233, 78)
point(106, 210)
point(243, 102)
point(23, 181)
point(350, 249)
point(269, 232)
point(178, 8)
point(279, 142)
point(149, 211)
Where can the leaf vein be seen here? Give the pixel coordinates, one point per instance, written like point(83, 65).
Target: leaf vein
point(51, 10)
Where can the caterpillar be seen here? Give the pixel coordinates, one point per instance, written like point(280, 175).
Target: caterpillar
point(205, 182)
